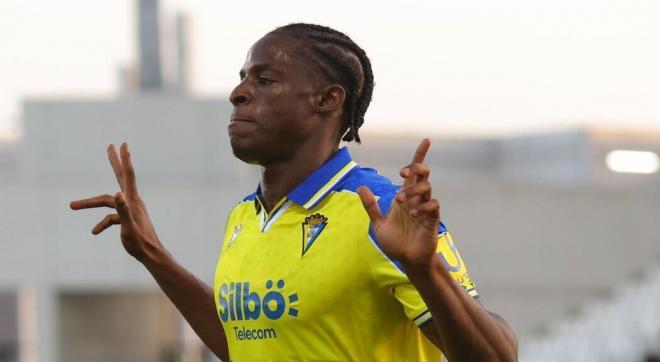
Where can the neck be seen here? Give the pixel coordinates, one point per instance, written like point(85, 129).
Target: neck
point(279, 179)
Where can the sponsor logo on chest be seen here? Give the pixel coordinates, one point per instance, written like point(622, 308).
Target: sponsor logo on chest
point(239, 303)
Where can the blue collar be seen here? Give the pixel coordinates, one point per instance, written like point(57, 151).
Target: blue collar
point(322, 181)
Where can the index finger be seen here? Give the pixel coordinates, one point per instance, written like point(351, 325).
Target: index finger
point(116, 166)
point(419, 156)
point(420, 153)
point(92, 202)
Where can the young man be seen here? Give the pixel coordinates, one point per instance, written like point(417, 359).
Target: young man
point(326, 260)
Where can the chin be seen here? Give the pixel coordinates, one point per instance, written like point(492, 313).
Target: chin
point(246, 154)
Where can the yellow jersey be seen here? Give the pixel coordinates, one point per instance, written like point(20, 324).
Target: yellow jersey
point(309, 282)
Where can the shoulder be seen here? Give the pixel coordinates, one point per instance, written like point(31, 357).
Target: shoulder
point(249, 197)
point(245, 206)
point(381, 186)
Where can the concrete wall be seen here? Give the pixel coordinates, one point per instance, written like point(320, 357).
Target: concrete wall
point(8, 327)
point(540, 252)
point(537, 250)
point(184, 165)
point(117, 327)
point(537, 247)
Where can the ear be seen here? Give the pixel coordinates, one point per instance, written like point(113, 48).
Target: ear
point(330, 99)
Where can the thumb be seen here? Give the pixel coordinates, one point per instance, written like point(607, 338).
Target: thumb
point(370, 204)
point(123, 210)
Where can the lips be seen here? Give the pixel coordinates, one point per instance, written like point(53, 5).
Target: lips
point(240, 125)
point(238, 117)
point(241, 120)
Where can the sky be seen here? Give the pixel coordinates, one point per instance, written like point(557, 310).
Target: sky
point(456, 67)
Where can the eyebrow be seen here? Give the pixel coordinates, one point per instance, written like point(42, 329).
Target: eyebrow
point(257, 68)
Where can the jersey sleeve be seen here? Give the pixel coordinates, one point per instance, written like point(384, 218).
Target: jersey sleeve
point(390, 275)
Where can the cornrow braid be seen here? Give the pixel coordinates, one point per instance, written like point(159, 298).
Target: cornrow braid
point(342, 61)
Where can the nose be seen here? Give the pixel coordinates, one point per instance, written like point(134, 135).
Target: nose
point(240, 95)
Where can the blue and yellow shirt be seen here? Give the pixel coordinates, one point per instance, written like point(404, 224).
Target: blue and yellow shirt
point(308, 281)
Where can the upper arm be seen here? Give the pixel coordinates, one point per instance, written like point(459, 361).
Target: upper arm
point(390, 275)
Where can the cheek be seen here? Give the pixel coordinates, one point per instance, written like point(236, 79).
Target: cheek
point(283, 111)
point(267, 103)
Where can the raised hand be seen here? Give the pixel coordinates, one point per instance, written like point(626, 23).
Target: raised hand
point(409, 232)
point(137, 231)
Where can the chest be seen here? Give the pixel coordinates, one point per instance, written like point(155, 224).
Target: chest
point(296, 266)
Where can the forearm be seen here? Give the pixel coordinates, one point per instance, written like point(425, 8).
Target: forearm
point(467, 330)
point(192, 297)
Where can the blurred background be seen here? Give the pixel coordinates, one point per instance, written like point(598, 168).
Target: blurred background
point(544, 118)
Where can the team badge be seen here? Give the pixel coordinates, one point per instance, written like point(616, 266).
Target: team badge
point(311, 229)
point(237, 230)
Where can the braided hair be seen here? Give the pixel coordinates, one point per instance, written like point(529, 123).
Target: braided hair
point(340, 61)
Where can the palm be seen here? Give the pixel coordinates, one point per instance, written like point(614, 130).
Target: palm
point(134, 235)
point(137, 231)
point(408, 233)
point(404, 237)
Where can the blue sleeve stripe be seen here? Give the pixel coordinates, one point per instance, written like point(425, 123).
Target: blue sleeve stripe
point(425, 323)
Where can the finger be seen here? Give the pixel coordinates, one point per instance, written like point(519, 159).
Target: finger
point(123, 209)
point(429, 208)
point(116, 166)
point(418, 158)
point(420, 153)
point(98, 201)
point(129, 173)
point(370, 204)
point(420, 189)
point(420, 170)
point(108, 220)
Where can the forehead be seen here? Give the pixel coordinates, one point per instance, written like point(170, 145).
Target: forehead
point(273, 49)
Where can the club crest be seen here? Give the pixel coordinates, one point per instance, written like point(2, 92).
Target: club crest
point(311, 229)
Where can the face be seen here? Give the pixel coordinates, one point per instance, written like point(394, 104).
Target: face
point(273, 103)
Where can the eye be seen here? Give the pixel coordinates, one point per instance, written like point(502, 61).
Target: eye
point(264, 80)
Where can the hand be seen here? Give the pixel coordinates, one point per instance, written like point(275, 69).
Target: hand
point(137, 231)
point(409, 232)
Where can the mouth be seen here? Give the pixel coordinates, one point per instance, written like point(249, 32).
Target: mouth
point(241, 120)
point(239, 126)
